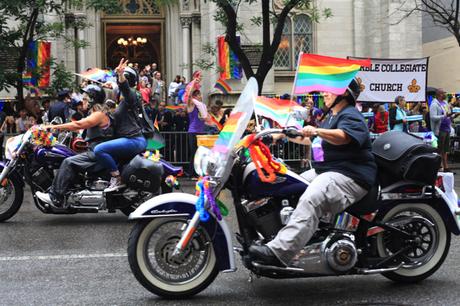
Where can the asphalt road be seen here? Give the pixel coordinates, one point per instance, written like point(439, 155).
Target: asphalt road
point(81, 260)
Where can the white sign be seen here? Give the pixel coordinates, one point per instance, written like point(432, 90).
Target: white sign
point(388, 78)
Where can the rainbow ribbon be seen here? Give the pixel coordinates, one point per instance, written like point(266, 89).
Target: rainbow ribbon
point(204, 191)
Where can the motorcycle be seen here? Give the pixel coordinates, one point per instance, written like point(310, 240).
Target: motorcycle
point(401, 230)
point(36, 165)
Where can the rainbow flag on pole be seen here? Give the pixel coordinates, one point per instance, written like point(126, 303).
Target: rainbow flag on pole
point(222, 86)
point(277, 110)
point(325, 73)
point(228, 61)
point(222, 143)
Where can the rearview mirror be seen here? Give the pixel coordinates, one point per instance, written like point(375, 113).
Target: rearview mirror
point(57, 120)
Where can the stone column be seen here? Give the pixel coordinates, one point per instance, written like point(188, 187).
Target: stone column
point(186, 23)
point(80, 52)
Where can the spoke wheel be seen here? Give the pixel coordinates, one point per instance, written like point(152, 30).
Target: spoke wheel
point(428, 247)
point(150, 253)
point(11, 196)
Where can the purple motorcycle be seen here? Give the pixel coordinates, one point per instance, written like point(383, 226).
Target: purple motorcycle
point(36, 165)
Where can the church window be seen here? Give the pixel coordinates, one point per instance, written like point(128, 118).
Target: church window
point(297, 36)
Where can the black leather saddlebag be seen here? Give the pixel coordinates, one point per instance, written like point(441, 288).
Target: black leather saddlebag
point(142, 174)
point(401, 156)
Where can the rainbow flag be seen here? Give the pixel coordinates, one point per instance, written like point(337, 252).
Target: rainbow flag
point(96, 74)
point(37, 72)
point(227, 60)
point(175, 107)
point(222, 86)
point(277, 110)
point(325, 73)
point(222, 143)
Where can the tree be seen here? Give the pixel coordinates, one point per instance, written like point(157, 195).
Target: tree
point(22, 22)
point(228, 15)
point(444, 13)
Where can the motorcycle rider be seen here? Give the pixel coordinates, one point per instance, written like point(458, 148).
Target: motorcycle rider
point(343, 178)
point(129, 140)
point(99, 128)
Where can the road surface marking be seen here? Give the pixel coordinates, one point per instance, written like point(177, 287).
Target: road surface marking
point(60, 257)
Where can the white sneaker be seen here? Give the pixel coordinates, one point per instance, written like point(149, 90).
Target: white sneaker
point(115, 184)
point(44, 197)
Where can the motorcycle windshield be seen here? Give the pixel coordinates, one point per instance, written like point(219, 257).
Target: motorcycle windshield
point(235, 126)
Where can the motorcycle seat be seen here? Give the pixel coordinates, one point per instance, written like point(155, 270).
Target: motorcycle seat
point(367, 204)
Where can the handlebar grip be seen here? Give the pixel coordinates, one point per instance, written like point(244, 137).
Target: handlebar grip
point(293, 133)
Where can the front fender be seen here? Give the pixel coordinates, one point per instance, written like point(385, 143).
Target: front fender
point(183, 204)
point(13, 174)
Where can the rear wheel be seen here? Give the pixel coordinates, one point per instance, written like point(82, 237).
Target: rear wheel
point(431, 236)
point(150, 248)
point(11, 196)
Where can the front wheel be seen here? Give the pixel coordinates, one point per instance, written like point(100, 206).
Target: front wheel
point(11, 196)
point(150, 247)
point(428, 229)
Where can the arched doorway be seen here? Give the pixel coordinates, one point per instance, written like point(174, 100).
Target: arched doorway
point(137, 34)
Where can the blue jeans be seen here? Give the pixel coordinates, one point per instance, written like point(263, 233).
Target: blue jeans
point(118, 149)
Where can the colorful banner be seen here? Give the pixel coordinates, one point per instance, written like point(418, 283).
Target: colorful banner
point(227, 60)
point(386, 79)
point(38, 64)
point(325, 73)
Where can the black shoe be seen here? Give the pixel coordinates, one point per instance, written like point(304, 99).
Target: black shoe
point(263, 254)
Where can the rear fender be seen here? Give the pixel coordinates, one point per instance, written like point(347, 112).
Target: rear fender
point(13, 174)
point(183, 204)
point(445, 207)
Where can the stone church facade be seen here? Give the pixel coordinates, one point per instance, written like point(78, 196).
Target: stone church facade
point(174, 37)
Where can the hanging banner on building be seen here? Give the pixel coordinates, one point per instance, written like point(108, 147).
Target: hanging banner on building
point(37, 72)
point(386, 79)
point(227, 60)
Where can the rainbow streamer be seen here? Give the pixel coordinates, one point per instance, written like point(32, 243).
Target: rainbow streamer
point(277, 110)
point(222, 86)
point(222, 143)
point(227, 60)
point(38, 64)
point(325, 73)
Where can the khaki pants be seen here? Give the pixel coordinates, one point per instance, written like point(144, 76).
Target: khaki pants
point(329, 192)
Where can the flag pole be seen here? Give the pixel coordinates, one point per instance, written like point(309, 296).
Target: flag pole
point(255, 114)
point(293, 86)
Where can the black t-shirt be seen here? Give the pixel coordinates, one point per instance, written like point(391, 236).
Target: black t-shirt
point(354, 160)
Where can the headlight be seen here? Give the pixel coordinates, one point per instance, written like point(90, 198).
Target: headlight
point(201, 160)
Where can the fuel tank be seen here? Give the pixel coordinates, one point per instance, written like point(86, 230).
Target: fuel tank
point(52, 156)
point(287, 185)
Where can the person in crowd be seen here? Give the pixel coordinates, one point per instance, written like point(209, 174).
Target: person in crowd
point(136, 67)
point(9, 125)
point(152, 109)
point(172, 95)
point(62, 107)
point(381, 120)
point(79, 106)
point(398, 115)
point(23, 121)
point(181, 123)
point(440, 117)
point(345, 176)
point(197, 114)
point(164, 118)
point(153, 69)
point(128, 131)
point(180, 90)
point(225, 116)
point(98, 128)
point(314, 113)
point(145, 91)
point(158, 86)
point(44, 110)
